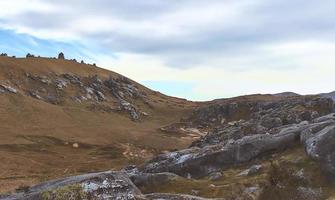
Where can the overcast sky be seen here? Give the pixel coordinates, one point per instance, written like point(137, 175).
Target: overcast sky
point(196, 49)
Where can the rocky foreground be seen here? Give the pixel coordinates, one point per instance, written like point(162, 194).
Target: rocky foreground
point(263, 130)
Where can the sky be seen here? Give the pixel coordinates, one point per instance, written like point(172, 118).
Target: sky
point(194, 49)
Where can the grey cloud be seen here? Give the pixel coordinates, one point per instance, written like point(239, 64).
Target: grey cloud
point(262, 22)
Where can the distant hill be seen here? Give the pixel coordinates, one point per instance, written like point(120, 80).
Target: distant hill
point(286, 94)
point(329, 95)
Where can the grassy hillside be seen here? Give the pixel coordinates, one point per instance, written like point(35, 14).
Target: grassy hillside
point(42, 139)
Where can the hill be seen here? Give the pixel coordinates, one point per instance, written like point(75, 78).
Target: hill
point(60, 117)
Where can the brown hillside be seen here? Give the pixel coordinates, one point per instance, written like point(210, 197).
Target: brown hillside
point(49, 127)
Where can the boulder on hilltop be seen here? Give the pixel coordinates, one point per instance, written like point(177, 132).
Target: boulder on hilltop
point(61, 56)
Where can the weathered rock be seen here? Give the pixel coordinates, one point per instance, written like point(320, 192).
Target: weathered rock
point(322, 143)
point(151, 179)
point(331, 116)
point(73, 79)
point(314, 128)
point(98, 186)
point(89, 92)
point(60, 83)
point(261, 118)
point(215, 176)
point(309, 193)
point(300, 174)
point(35, 95)
point(8, 88)
point(161, 196)
point(199, 162)
point(44, 80)
point(130, 108)
point(30, 55)
point(144, 114)
point(251, 171)
point(271, 122)
point(252, 192)
point(321, 147)
point(61, 56)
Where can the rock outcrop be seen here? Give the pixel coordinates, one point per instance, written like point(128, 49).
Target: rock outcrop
point(61, 56)
point(321, 147)
point(7, 88)
point(318, 137)
point(263, 118)
point(97, 186)
point(119, 93)
point(104, 185)
point(199, 162)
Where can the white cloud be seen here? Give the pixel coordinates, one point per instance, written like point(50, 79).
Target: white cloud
point(13, 7)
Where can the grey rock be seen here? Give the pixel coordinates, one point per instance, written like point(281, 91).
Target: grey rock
point(35, 95)
point(100, 186)
point(161, 196)
point(331, 116)
point(73, 79)
point(251, 171)
point(131, 109)
point(199, 162)
point(300, 174)
point(321, 147)
point(61, 56)
point(322, 143)
point(314, 128)
point(251, 192)
point(8, 89)
point(271, 122)
point(151, 179)
point(100, 96)
point(307, 193)
point(264, 118)
point(44, 80)
point(60, 83)
point(215, 176)
point(195, 192)
point(89, 92)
